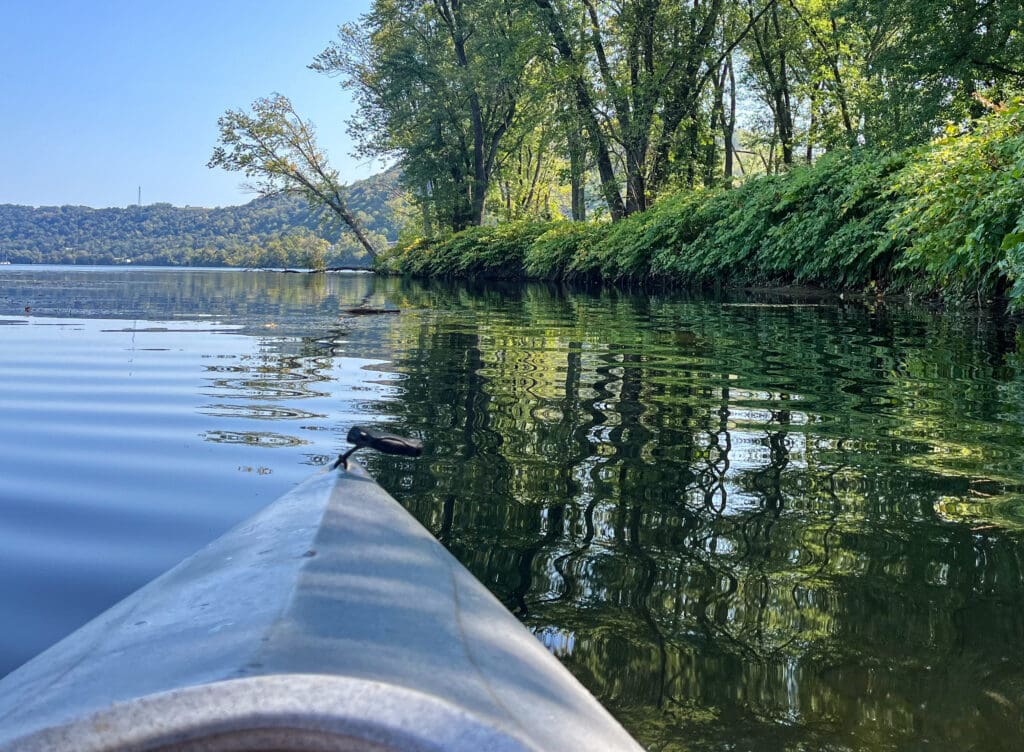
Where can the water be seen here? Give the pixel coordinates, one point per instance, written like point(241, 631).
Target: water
point(143, 413)
point(756, 523)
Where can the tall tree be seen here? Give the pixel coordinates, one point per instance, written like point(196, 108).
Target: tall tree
point(930, 58)
point(839, 60)
point(440, 85)
point(640, 72)
point(774, 45)
point(556, 22)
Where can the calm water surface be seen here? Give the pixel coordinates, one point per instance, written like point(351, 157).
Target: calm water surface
point(749, 524)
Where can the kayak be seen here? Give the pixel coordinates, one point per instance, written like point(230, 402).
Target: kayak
point(332, 620)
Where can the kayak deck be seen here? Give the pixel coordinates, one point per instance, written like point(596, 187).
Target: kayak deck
point(330, 620)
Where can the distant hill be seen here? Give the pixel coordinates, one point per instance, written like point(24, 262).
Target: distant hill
point(275, 231)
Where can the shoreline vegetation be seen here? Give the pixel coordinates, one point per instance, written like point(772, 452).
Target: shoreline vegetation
point(944, 220)
point(870, 146)
point(873, 146)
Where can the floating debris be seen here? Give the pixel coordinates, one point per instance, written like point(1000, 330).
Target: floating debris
point(368, 311)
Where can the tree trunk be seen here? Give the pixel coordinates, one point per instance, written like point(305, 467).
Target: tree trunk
point(339, 207)
point(428, 224)
point(717, 116)
point(729, 126)
point(782, 94)
point(577, 170)
point(585, 107)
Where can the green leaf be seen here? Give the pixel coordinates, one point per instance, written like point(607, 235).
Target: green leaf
point(1012, 239)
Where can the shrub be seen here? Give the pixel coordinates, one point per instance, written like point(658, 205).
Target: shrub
point(962, 213)
point(549, 256)
point(498, 252)
point(947, 217)
point(618, 253)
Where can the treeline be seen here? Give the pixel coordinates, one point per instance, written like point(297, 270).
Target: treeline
point(502, 110)
point(944, 218)
point(275, 232)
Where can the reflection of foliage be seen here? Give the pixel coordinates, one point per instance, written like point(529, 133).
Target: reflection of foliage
point(732, 521)
point(281, 303)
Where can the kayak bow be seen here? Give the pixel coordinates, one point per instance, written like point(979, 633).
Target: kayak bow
point(329, 621)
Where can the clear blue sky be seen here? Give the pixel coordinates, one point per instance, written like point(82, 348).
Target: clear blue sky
point(99, 98)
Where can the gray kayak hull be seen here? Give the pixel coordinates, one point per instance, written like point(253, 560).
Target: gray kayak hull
point(331, 620)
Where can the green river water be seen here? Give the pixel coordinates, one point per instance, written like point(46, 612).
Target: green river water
point(749, 523)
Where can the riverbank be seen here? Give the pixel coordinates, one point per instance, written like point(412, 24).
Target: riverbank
point(943, 220)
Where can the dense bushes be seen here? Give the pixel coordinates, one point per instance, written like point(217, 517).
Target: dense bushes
point(946, 218)
point(961, 217)
point(820, 225)
point(498, 252)
point(556, 253)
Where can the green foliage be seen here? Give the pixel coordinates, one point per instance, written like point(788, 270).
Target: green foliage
point(934, 59)
point(502, 251)
point(482, 103)
point(948, 218)
point(275, 148)
point(400, 258)
point(551, 254)
point(441, 87)
point(678, 222)
point(619, 253)
point(496, 252)
point(726, 232)
point(821, 225)
point(295, 249)
point(962, 211)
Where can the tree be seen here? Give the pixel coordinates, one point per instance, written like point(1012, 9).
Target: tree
point(639, 71)
point(773, 48)
point(584, 97)
point(929, 59)
point(278, 150)
point(440, 85)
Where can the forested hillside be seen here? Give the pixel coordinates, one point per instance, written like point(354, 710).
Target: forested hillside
point(274, 231)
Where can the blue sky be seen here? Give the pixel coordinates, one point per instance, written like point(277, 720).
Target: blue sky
point(99, 98)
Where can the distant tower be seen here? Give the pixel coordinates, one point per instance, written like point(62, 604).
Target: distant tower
point(140, 195)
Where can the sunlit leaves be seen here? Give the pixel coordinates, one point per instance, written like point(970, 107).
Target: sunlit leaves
point(441, 86)
point(276, 149)
point(963, 206)
point(943, 219)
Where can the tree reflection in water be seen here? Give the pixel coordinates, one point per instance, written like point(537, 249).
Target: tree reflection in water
point(763, 525)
